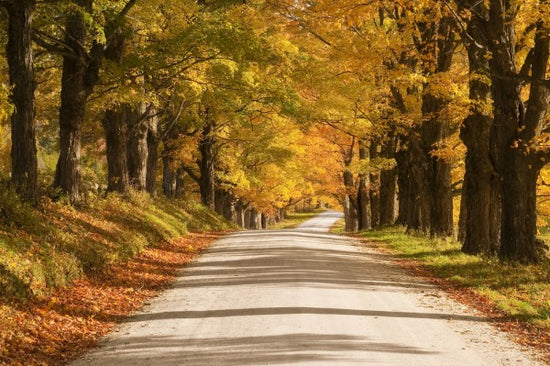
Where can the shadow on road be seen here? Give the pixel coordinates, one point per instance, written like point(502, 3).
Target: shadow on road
point(272, 350)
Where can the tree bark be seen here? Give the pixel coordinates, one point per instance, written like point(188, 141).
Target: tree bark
point(481, 191)
point(363, 194)
point(207, 165)
point(180, 183)
point(240, 211)
point(388, 185)
point(374, 191)
point(514, 129)
point(116, 136)
point(219, 201)
point(138, 153)
point(153, 141)
point(20, 58)
point(169, 177)
point(80, 75)
point(229, 211)
point(403, 181)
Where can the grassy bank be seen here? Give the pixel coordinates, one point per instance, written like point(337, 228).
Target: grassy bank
point(67, 275)
point(47, 248)
point(521, 292)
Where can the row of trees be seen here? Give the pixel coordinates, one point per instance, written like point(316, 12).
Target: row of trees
point(200, 93)
point(394, 108)
point(424, 81)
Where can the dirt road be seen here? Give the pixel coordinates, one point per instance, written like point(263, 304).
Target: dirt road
point(303, 297)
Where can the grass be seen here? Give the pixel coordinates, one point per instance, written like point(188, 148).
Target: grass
point(520, 291)
point(45, 248)
point(294, 219)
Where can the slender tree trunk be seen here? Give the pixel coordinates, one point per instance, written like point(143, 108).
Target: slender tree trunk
point(21, 69)
point(138, 125)
point(219, 201)
point(374, 192)
point(240, 211)
point(169, 177)
point(350, 203)
point(403, 182)
point(363, 194)
point(388, 186)
point(116, 136)
point(153, 141)
point(419, 203)
point(180, 183)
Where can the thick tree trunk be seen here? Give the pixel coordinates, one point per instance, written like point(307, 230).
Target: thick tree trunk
point(21, 69)
point(207, 166)
point(519, 218)
point(138, 153)
point(480, 216)
point(439, 183)
point(419, 203)
point(514, 130)
point(80, 75)
point(116, 136)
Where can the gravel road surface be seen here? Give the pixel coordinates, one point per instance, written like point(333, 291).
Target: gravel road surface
point(303, 297)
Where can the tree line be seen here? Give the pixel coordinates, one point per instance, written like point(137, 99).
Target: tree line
point(396, 110)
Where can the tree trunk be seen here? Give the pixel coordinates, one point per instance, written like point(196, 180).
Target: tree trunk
point(169, 177)
point(481, 188)
point(80, 75)
point(240, 211)
point(229, 211)
point(180, 183)
point(519, 218)
point(374, 191)
point(20, 58)
point(138, 125)
point(419, 203)
point(363, 194)
point(403, 182)
point(514, 130)
point(219, 201)
point(153, 141)
point(207, 165)
point(350, 203)
point(116, 136)
point(438, 174)
point(388, 186)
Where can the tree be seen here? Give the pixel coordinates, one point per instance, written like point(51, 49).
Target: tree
point(21, 69)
